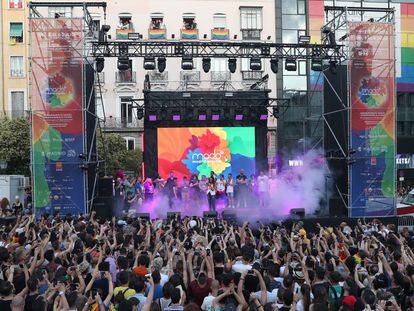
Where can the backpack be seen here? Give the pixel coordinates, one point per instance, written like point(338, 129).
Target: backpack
point(337, 302)
point(120, 296)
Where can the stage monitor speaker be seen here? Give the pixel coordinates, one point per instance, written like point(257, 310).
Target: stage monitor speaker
point(174, 215)
point(103, 207)
point(209, 214)
point(229, 215)
point(297, 213)
point(105, 187)
point(145, 216)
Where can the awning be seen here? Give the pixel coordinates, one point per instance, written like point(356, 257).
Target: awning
point(16, 30)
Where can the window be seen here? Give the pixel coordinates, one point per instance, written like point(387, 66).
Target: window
point(17, 103)
point(16, 67)
point(130, 143)
point(189, 21)
point(125, 21)
point(60, 11)
point(16, 33)
point(15, 4)
point(219, 21)
point(251, 18)
point(219, 64)
point(126, 111)
point(302, 67)
point(157, 21)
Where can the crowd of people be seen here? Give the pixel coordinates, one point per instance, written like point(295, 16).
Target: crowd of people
point(86, 263)
point(229, 191)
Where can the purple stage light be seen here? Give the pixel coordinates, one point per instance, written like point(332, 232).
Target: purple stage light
point(215, 117)
point(176, 117)
point(263, 117)
point(202, 117)
point(152, 117)
point(239, 117)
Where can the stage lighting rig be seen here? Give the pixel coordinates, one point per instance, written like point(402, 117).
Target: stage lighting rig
point(162, 64)
point(276, 112)
point(103, 33)
point(232, 62)
point(274, 65)
point(123, 63)
point(290, 64)
point(140, 113)
point(149, 63)
point(187, 63)
point(316, 65)
point(100, 64)
point(255, 63)
point(206, 64)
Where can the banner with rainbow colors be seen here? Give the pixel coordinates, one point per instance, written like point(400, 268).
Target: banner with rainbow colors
point(189, 34)
point(122, 34)
point(220, 34)
point(157, 34)
point(57, 116)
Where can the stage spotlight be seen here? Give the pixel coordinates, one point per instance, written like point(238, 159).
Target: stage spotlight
point(255, 63)
point(202, 115)
point(162, 64)
point(290, 64)
point(100, 64)
point(332, 67)
point(187, 63)
point(276, 112)
point(316, 65)
point(152, 117)
point(176, 116)
point(215, 115)
point(263, 116)
point(123, 63)
point(102, 35)
point(140, 113)
point(238, 115)
point(232, 65)
point(331, 38)
point(206, 64)
point(149, 63)
point(274, 65)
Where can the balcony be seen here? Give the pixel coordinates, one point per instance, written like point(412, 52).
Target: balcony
point(158, 78)
point(251, 34)
point(190, 77)
point(189, 34)
point(121, 123)
point(220, 34)
point(157, 34)
point(126, 77)
point(122, 34)
point(252, 75)
point(220, 76)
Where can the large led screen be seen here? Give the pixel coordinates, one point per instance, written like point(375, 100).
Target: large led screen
point(200, 150)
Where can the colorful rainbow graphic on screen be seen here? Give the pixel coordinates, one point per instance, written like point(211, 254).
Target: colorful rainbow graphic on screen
point(60, 91)
point(200, 150)
point(157, 34)
point(189, 34)
point(316, 22)
point(220, 34)
point(406, 82)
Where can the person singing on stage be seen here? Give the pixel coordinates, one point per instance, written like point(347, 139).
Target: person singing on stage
point(211, 194)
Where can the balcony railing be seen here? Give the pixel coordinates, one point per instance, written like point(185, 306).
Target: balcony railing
point(126, 77)
point(122, 34)
point(220, 76)
point(157, 77)
point(220, 34)
point(157, 34)
point(190, 77)
point(189, 34)
point(123, 123)
point(252, 75)
point(251, 34)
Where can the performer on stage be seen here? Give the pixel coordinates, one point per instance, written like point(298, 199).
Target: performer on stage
point(263, 188)
point(194, 189)
point(211, 194)
point(242, 189)
point(230, 191)
point(149, 189)
point(221, 188)
point(202, 185)
point(171, 189)
point(185, 191)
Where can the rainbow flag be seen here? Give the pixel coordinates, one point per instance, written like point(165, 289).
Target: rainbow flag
point(189, 34)
point(122, 34)
point(220, 34)
point(406, 82)
point(157, 34)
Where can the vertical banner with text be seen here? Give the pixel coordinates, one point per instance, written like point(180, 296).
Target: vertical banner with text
point(372, 119)
point(57, 115)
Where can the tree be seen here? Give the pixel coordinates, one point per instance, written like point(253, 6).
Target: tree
point(15, 145)
point(112, 149)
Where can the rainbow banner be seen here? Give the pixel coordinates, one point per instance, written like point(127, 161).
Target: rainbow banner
point(372, 119)
point(406, 82)
point(122, 34)
point(189, 34)
point(57, 115)
point(220, 34)
point(200, 150)
point(157, 34)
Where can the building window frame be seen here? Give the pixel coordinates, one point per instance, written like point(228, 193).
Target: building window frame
point(10, 104)
point(17, 76)
point(16, 39)
point(63, 11)
point(219, 21)
point(130, 140)
point(17, 4)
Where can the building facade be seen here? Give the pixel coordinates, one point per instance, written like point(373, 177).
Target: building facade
point(14, 61)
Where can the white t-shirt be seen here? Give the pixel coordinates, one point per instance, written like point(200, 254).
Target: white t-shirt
point(230, 186)
point(208, 303)
point(220, 185)
point(271, 296)
point(240, 267)
point(263, 183)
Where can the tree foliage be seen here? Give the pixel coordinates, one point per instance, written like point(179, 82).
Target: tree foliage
point(15, 145)
point(112, 149)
